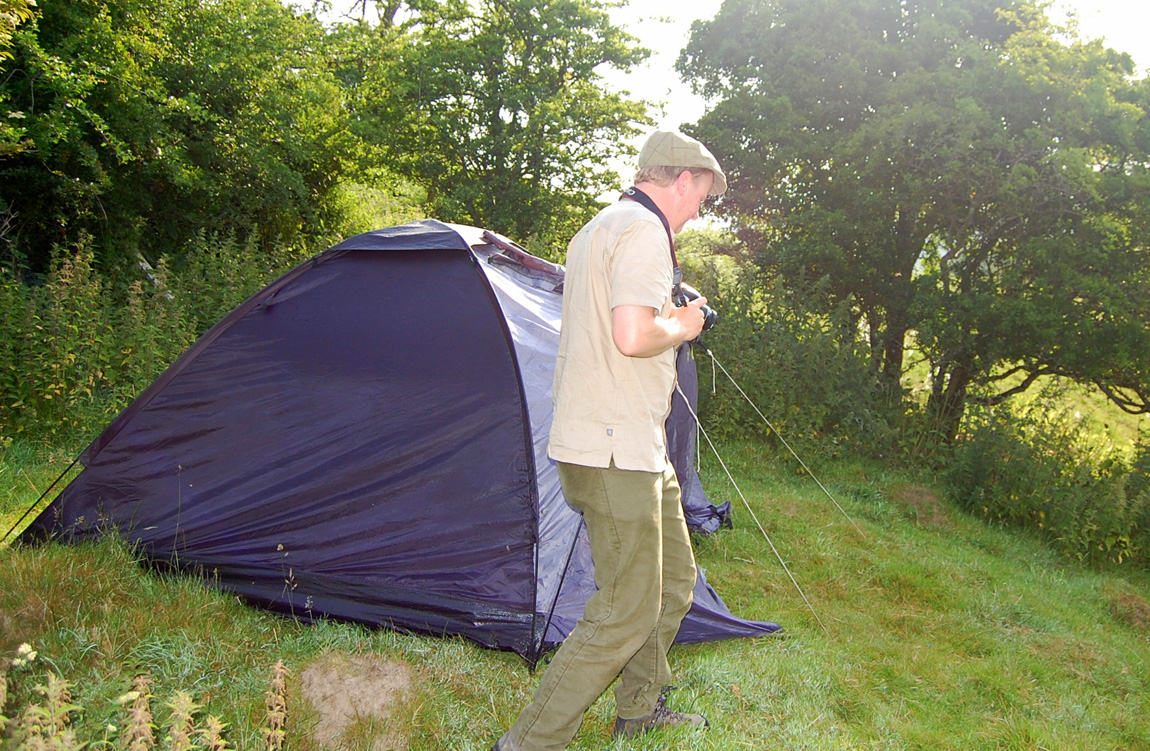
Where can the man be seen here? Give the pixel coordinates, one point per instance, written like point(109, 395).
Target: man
point(614, 378)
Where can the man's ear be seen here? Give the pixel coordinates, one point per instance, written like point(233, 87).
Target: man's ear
point(684, 182)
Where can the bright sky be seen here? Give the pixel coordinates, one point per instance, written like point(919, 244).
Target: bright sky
point(1124, 24)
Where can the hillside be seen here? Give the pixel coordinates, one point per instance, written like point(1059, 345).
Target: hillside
point(941, 633)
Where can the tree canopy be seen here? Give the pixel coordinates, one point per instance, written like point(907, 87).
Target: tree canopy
point(498, 107)
point(958, 171)
point(144, 123)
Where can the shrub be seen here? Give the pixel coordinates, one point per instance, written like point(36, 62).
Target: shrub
point(788, 358)
point(79, 347)
point(1036, 468)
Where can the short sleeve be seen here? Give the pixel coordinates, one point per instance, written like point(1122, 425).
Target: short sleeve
point(641, 272)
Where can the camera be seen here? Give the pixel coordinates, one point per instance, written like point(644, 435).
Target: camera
point(688, 293)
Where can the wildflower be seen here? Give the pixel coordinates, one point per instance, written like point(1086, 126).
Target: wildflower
point(26, 653)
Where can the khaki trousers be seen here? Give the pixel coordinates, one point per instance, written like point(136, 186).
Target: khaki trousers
point(645, 574)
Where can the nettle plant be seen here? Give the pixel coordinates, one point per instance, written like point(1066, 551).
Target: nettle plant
point(43, 717)
point(1036, 468)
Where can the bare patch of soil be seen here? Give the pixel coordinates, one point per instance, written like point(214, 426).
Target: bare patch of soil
point(355, 691)
point(923, 505)
point(1131, 610)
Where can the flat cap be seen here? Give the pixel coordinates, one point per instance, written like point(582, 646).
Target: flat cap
point(669, 148)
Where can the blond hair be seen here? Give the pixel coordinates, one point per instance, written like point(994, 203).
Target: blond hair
point(665, 176)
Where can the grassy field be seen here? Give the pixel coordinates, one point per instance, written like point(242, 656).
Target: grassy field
point(940, 633)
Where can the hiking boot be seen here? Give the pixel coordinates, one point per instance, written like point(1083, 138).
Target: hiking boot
point(661, 717)
point(504, 744)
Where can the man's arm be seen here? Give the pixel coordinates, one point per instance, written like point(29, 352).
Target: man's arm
point(640, 331)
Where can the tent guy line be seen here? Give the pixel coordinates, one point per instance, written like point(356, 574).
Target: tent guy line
point(758, 524)
point(36, 503)
point(715, 361)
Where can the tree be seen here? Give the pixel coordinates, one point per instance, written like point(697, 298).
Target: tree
point(497, 107)
point(12, 14)
point(957, 170)
point(144, 123)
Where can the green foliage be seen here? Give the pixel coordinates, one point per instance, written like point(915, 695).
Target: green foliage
point(1039, 470)
point(1138, 484)
point(365, 207)
point(497, 107)
point(785, 353)
point(79, 347)
point(959, 170)
point(140, 124)
point(12, 14)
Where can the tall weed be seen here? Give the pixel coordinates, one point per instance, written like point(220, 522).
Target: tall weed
point(77, 349)
point(55, 723)
point(59, 349)
point(217, 273)
point(1036, 468)
point(154, 327)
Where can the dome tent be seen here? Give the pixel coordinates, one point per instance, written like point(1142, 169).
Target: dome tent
point(365, 439)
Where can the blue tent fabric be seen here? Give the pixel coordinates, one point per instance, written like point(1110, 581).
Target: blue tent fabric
point(701, 514)
point(365, 439)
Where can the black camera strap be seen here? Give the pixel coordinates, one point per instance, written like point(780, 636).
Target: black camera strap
point(646, 202)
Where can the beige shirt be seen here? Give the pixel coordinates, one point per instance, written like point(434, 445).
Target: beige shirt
point(607, 405)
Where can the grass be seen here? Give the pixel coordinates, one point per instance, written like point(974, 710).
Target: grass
point(941, 633)
point(26, 472)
